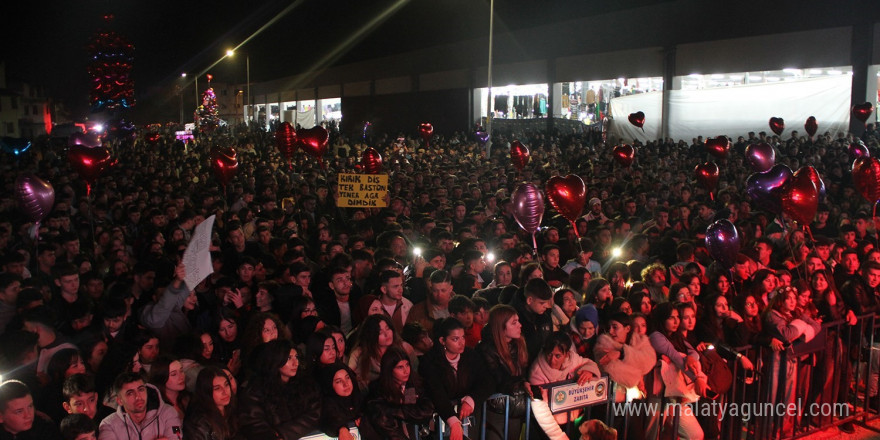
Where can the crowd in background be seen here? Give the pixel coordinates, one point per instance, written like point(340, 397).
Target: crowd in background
point(319, 318)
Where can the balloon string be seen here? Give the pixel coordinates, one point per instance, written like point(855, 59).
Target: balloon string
point(874, 219)
point(578, 235)
point(534, 245)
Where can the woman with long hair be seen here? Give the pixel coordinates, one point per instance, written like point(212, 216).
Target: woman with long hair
point(341, 401)
point(505, 354)
point(321, 349)
point(719, 283)
point(396, 397)
point(565, 304)
point(832, 308)
point(764, 282)
point(279, 401)
point(681, 372)
point(227, 339)
point(455, 376)
point(262, 328)
point(375, 337)
point(211, 414)
point(784, 324)
point(166, 374)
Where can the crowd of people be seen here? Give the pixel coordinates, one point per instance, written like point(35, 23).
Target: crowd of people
point(323, 319)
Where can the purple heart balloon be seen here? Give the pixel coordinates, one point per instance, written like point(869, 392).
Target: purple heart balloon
point(760, 187)
point(761, 157)
point(35, 195)
point(857, 150)
point(723, 242)
point(528, 207)
point(482, 137)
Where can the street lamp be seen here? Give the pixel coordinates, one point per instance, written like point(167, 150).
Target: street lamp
point(247, 104)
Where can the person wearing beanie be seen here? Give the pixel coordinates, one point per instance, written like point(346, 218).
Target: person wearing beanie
point(584, 328)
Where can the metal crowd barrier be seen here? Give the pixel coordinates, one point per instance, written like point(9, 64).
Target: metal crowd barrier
point(851, 353)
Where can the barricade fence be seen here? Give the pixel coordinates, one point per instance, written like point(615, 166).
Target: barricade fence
point(805, 388)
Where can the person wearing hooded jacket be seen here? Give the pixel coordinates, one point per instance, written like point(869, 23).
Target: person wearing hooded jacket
point(558, 362)
point(141, 414)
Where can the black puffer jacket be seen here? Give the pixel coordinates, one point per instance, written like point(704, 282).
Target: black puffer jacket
point(288, 413)
point(389, 419)
point(446, 386)
point(502, 379)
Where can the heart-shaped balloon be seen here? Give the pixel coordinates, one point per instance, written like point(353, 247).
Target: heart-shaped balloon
point(528, 207)
point(153, 137)
point(90, 140)
point(568, 195)
point(777, 125)
point(707, 175)
point(799, 198)
point(35, 196)
point(760, 187)
point(314, 141)
point(723, 242)
point(88, 162)
point(426, 130)
point(866, 177)
point(811, 126)
point(285, 140)
point(624, 154)
point(637, 119)
point(519, 155)
point(857, 150)
point(481, 136)
point(371, 161)
point(863, 111)
point(761, 157)
point(224, 162)
point(815, 177)
point(15, 146)
point(718, 146)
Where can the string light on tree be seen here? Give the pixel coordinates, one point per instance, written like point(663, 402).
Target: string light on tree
point(110, 66)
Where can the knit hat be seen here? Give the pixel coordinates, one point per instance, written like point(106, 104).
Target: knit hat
point(587, 312)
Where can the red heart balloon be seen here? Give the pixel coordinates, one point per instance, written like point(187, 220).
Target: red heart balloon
point(858, 149)
point(777, 125)
point(863, 111)
point(519, 155)
point(811, 126)
point(153, 137)
point(815, 177)
point(866, 177)
point(88, 162)
point(707, 175)
point(800, 198)
point(637, 119)
point(568, 195)
point(285, 140)
point(426, 130)
point(313, 141)
point(371, 161)
point(718, 146)
point(624, 154)
point(224, 162)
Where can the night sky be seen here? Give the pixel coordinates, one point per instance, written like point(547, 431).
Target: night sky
point(43, 42)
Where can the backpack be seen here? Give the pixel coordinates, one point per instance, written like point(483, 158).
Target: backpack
point(718, 373)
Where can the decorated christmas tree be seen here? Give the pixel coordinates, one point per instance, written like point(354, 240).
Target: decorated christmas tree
point(110, 65)
point(206, 116)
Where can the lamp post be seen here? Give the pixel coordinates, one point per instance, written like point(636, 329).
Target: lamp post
point(180, 95)
point(489, 104)
point(229, 54)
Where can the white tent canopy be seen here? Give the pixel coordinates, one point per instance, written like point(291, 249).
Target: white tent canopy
point(737, 110)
